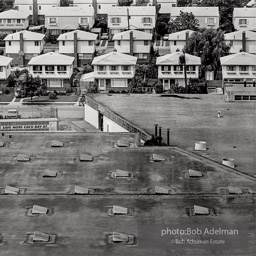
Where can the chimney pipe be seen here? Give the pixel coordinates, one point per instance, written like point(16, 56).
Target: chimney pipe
point(75, 49)
point(35, 12)
point(187, 36)
point(156, 130)
point(160, 135)
point(244, 41)
point(168, 137)
point(21, 53)
point(131, 43)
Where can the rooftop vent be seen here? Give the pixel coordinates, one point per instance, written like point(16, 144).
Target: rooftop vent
point(123, 144)
point(200, 146)
point(2, 144)
point(86, 158)
point(120, 174)
point(234, 190)
point(49, 174)
point(158, 158)
point(56, 143)
point(81, 190)
point(118, 210)
point(23, 158)
point(11, 190)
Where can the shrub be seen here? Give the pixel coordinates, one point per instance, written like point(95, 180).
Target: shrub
point(111, 91)
point(52, 96)
point(7, 91)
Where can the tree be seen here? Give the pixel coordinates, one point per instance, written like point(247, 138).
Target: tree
point(162, 24)
point(182, 3)
point(226, 8)
point(184, 21)
point(64, 2)
point(142, 2)
point(210, 45)
point(125, 2)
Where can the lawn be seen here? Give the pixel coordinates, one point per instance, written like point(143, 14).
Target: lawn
point(60, 98)
point(6, 97)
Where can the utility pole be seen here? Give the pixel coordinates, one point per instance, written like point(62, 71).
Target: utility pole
point(185, 71)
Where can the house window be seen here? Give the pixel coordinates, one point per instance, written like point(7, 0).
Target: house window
point(173, 5)
point(242, 21)
point(210, 21)
point(253, 68)
point(30, 7)
point(174, 42)
point(39, 7)
point(116, 20)
point(118, 42)
point(62, 68)
point(101, 68)
point(49, 68)
point(37, 68)
point(191, 68)
point(1, 21)
point(37, 43)
point(63, 43)
point(99, 6)
point(90, 43)
point(10, 43)
point(145, 42)
point(84, 20)
point(18, 21)
point(231, 68)
point(113, 68)
point(146, 20)
point(9, 21)
point(243, 68)
point(178, 68)
point(1, 69)
point(125, 68)
point(52, 20)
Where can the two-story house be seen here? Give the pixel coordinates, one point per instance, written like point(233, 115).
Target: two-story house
point(114, 71)
point(241, 40)
point(36, 9)
point(23, 45)
point(5, 70)
point(79, 44)
point(60, 20)
point(104, 6)
point(208, 17)
point(54, 69)
point(171, 70)
point(12, 21)
point(239, 76)
point(121, 18)
point(134, 42)
point(244, 18)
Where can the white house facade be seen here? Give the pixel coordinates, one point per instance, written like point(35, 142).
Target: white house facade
point(134, 42)
point(244, 18)
point(114, 71)
point(23, 45)
point(5, 70)
point(79, 44)
point(54, 69)
point(171, 72)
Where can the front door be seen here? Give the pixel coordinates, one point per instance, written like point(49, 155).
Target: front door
point(101, 121)
point(102, 85)
point(166, 84)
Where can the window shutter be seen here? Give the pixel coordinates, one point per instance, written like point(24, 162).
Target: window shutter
point(215, 20)
point(206, 20)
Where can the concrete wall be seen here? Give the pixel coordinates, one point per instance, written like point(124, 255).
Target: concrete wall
point(110, 126)
point(91, 116)
point(83, 47)
point(29, 47)
point(138, 46)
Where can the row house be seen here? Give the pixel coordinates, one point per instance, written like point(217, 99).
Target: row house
point(176, 42)
point(114, 71)
point(60, 20)
point(79, 44)
point(37, 9)
point(244, 18)
point(23, 45)
point(123, 18)
point(239, 77)
point(54, 69)
point(171, 72)
point(5, 70)
point(12, 21)
point(134, 42)
point(241, 40)
point(208, 17)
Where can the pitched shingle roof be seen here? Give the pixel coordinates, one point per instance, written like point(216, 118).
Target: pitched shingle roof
point(197, 11)
point(81, 35)
point(181, 35)
point(5, 61)
point(238, 35)
point(70, 11)
point(244, 12)
point(115, 58)
point(137, 35)
point(52, 58)
point(13, 14)
point(174, 59)
point(39, 2)
point(133, 10)
point(241, 58)
point(27, 35)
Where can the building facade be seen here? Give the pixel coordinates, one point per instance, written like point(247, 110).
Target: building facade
point(171, 71)
point(114, 71)
point(54, 69)
point(123, 18)
point(79, 44)
point(23, 45)
point(241, 40)
point(244, 18)
point(5, 70)
point(13, 20)
point(60, 20)
point(134, 42)
point(208, 17)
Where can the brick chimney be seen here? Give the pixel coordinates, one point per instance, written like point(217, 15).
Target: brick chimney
point(131, 42)
point(35, 12)
point(21, 52)
point(75, 49)
point(244, 41)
